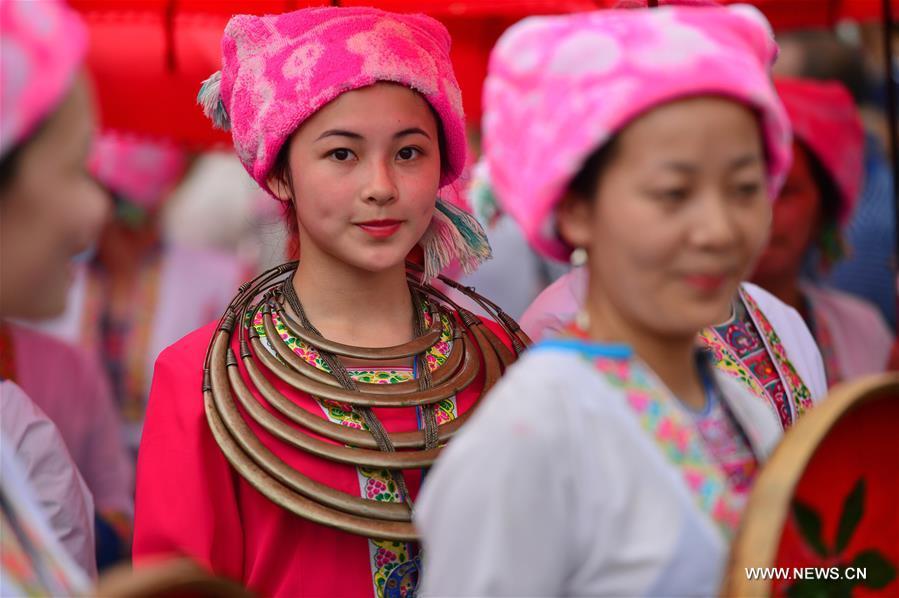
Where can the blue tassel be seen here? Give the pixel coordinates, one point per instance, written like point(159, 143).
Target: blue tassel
point(210, 98)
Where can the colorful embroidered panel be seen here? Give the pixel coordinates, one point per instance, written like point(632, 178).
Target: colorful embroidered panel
point(750, 350)
point(677, 436)
point(395, 566)
point(738, 349)
point(798, 391)
point(727, 446)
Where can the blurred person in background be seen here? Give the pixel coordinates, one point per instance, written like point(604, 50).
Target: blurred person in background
point(868, 270)
point(139, 292)
point(247, 223)
point(816, 202)
point(51, 209)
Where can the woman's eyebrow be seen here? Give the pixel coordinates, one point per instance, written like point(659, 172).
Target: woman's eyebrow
point(353, 135)
point(743, 161)
point(339, 133)
point(411, 131)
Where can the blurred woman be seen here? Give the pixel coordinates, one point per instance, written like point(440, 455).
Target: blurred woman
point(50, 210)
point(817, 200)
point(616, 460)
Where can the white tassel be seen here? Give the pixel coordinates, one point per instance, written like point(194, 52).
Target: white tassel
point(210, 98)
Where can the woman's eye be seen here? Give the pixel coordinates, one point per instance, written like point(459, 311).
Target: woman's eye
point(408, 153)
point(748, 189)
point(341, 154)
point(673, 195)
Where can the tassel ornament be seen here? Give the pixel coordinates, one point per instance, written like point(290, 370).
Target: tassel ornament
point(453, 234)
point(210, 98)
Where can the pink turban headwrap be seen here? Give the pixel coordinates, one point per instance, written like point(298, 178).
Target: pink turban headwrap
point(558, 88)
point(279, 70)
point(826, 120)
point(142, 171)
point(42, 45)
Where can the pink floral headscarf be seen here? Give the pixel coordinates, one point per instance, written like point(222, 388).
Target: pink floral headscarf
point(559, 87)
point(42, 45)
point(278, 70)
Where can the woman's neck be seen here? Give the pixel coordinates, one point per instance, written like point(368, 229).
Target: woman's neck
point(354, 306)
point(671, 358)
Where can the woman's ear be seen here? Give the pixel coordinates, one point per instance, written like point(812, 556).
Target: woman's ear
point(574, 220)
point(279, 188)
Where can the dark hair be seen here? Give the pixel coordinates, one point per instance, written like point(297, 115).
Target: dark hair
point(281, 172)
point(586, 181)
point(9, 165)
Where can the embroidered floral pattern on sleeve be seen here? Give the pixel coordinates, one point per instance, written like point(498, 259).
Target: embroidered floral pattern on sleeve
point(395, 566)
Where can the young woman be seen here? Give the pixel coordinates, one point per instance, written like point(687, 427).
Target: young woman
point(816, 202)
point(616, 460)
point(284, 445)
point(50, 210)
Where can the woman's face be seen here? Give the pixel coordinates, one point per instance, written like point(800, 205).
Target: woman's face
point(50, 211)
point(797, 218)
point(365, 171)
point(679, 215)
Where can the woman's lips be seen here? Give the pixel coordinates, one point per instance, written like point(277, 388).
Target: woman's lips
point(380, 229)
point(706, 283)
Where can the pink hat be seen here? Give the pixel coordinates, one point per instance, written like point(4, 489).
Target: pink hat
point(142, 171)
point(278, 70)
point(42, 45)
point(560, 87)
point(825, 119)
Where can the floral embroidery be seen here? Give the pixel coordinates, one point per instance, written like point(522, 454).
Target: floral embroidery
point(739, 350)
point(436, 355)
point(750, 351)
point(395, 565)
point(798, 391)
point(678, 439)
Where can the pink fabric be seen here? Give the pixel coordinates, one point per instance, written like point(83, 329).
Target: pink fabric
point(41, 48)
point(859, 338)
point(142, 171)
point(71, 388)
point(278, 70)
point(559, 87)
point(825, 119)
